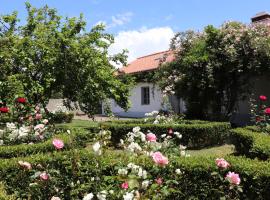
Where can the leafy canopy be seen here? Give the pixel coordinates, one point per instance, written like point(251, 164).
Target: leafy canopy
point(50, 54)
point(212, 69)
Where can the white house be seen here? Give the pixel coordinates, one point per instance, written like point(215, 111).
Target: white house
point(145, 96)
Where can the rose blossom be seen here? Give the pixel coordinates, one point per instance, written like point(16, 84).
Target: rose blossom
point(160, 159)
point(233, 178)
point(25, 165)
point(45, 121)
point(263, 98)
point(267, 111)
point(58, 144)
point(21, 100)
point(170, 131)
point(44, 176)
point(4, 109)
point(159, 181)
point(151, 137)
point(38, 116)
point(124, 185)
point(220, 162)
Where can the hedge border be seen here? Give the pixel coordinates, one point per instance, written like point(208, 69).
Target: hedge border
point(78, 138)
point(193, 135)
point(255, 175)
point(251, 143)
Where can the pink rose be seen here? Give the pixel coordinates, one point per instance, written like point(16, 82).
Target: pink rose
point(124, 185)
point(151, 137)
point(38, 116)
point(170, 131)
point(233, 178)
point(221, 163)
point(267, 111)
point(58, 144)
point(263, 98)
point(25, 165)
point(44, 176)
point(159, 181)
point(160, 159)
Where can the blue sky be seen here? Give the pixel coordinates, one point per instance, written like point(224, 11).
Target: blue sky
point(134, 21)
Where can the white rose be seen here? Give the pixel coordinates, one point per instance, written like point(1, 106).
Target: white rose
point(88, 196)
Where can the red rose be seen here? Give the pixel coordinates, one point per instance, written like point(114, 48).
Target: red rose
point(267, 111)
point(21, 100)
point(4, 109)
point(263, 98)
point(258, 119)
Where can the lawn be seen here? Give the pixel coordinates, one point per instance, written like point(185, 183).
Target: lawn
point(77, 123)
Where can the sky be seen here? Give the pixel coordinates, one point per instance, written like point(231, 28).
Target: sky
point(147, 26)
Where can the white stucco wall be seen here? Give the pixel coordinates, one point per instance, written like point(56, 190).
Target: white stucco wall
point(137, 109)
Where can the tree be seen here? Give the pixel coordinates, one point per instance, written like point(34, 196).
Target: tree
point(212, 69)
point(50, 54)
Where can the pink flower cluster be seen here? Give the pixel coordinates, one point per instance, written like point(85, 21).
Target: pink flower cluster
point(151, 137)
point(222, 163)
point(160, 159)
point(58, 144)
point(124, 185)
point(233, 178)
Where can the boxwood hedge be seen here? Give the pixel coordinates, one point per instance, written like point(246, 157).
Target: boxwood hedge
point(78, 138)
point(194, 135)
point(251, 143)
point(197, 181)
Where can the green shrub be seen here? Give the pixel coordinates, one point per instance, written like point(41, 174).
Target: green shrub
point(61, 117)
point(150, 121)
point(77, 138)
point(251, 143)
point(71, 173)
point(194, 135)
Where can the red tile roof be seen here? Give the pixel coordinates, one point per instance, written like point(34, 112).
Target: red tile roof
point(147, 63)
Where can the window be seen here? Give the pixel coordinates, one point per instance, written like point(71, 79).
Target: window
point(145, 94)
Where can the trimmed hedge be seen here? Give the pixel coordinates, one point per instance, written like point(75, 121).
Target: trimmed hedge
point(142, 121)
point(194, 135)
point(78, 138)
point(62, 117)
point(250, 143)
point(196, 182)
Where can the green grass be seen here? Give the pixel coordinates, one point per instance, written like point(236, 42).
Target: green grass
point(77, 123)
point(219, 151)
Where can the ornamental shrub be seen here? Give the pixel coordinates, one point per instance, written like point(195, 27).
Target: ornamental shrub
point(194, 135)
point(250, 143)
point(73, 174)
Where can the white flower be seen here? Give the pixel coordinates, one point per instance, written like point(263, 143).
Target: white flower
point(182, 153)
point(143, 137)
point(121, 141)
point(88, 196)
point(55, 198)
point(96, 148)
point(45, 121)
point(68, 131)
point(128, 196)
point(134, 147)
point(122, 171)
point(1, 142)
point(182, 147)
point(155, 122)
point(102, 195)
point(136, 129)
point(145, 184)
point(111, 191)
point(11, 126)
point(163, 135)
point(178, 171)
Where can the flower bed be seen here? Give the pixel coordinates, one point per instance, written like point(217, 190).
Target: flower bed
point(194, 135)
point(74, 174)
point(251, 143)
point(77, 139)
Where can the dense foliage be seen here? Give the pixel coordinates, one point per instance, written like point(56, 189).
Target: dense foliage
point(49, 54)
point(212, 69)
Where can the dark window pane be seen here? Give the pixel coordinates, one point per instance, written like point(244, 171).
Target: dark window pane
point(145, 95)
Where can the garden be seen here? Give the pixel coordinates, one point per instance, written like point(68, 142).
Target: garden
point(153, 158)
point(50, 156)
